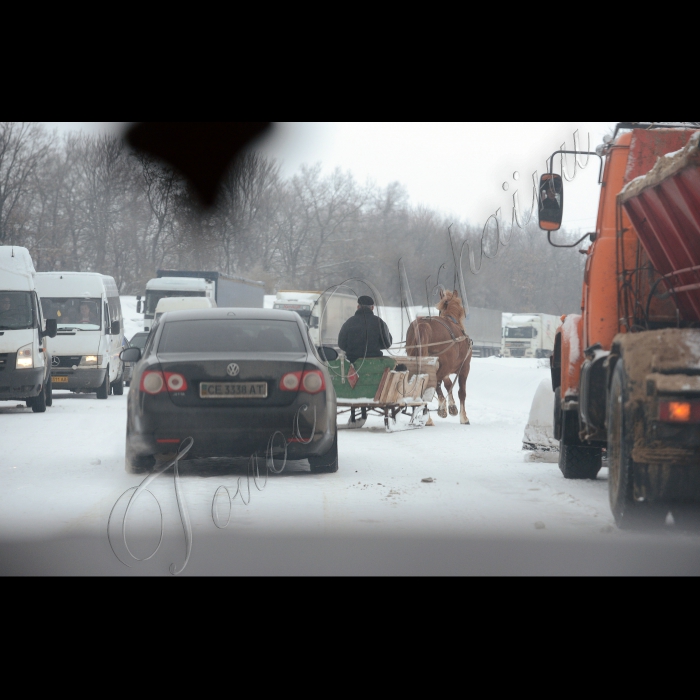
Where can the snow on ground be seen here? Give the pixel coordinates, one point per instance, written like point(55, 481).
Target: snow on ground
point(61, 473)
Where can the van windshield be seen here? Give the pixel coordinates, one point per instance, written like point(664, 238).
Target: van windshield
point(16, 311)
point(240, 335)
point(80, 313)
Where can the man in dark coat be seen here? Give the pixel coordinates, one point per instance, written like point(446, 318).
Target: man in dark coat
point(364, 334)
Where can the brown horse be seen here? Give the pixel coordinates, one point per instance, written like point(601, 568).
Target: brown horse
point(444, 337)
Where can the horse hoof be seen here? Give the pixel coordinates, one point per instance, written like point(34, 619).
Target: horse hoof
point(442, 413)
point(465, 421)
point(430, 422)
point(454, 410)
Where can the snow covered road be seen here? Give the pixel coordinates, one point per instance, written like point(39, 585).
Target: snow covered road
point(62, 472)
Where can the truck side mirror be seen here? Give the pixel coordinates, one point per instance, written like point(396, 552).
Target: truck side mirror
point(130, 355)
point(115, 328)
point(51, 328)
point(551, 202)
point(138, 306)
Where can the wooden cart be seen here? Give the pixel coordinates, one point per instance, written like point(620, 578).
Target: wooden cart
point(385, 386)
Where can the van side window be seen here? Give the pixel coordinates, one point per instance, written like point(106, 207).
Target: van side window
point(108, 321)
point(37, 312)
point(115, 310)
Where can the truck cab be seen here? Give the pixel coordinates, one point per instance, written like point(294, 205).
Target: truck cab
point(529, 335)
point(624, 370)
point(161, 287)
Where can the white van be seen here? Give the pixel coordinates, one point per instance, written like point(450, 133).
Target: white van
point(89, 339)
point(182, 303)
point(25, 361)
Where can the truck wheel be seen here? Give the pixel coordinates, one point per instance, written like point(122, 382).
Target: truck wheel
point(628, 513)
point(103, 389)
point(38, 403)
point(576, 460)
point(556, 423)
point(49, 392)
point(326, 463)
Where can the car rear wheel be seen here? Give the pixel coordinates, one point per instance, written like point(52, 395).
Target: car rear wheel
point(135, 463)
point(103, 389)
point(326, 463)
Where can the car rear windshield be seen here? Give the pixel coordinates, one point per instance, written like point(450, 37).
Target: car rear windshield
point(231, 335)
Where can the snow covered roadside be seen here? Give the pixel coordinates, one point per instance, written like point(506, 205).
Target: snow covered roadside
point(61, 473)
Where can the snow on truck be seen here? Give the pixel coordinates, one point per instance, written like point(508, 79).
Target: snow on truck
point(323, 313)
point(529, 335)
point(626, 371)
point(225, 290)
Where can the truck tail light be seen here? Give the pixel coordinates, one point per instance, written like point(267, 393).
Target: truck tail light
point(679, 411)
point(290, 381)
point(313, 381)
point(152, 382)
point(175, 381)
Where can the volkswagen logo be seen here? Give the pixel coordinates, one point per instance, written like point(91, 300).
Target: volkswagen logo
point(233, 369)
point(55, 361)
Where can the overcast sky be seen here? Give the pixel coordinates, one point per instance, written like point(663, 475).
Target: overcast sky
point(458, 168)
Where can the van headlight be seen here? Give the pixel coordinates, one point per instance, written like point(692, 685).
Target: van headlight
point(25, 357)
point(90, 361)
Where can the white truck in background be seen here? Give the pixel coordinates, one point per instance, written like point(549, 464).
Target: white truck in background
point(224, 290)
point(324, 313)
point(529, 335)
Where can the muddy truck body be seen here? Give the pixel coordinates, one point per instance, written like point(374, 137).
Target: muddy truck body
point(626, 370)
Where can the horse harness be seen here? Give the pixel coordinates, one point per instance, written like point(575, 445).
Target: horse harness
point(451, 342)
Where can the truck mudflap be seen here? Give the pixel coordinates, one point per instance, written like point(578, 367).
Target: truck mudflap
point(663, 370)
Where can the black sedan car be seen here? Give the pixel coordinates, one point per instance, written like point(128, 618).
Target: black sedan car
point(236, 381)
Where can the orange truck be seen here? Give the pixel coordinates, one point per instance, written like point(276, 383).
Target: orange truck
point(626, 370)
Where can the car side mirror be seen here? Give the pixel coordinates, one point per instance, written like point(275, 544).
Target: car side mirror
point(138, 306)
point(115, 328)
point(51, 327)
point(327, 353)
point(130, 355)
point(551, 202)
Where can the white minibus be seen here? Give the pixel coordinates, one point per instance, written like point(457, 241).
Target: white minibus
point(25, 361)
point(90, 331)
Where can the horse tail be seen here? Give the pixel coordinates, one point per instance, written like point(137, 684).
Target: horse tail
point(418, 339)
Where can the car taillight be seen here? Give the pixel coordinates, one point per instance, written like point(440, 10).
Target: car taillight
point(175, 381)
point(290, 381)
point(313, 382)
point(679, 411)
point(152, 382)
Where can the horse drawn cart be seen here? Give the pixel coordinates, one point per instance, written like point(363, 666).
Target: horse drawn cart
point(385, 386)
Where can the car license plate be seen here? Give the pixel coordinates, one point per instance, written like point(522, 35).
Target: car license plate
point(59, 379)
point(233, 390)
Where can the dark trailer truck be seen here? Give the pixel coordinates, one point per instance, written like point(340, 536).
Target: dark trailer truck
point(229, 290)
point(225, 290)
point(483, 326)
